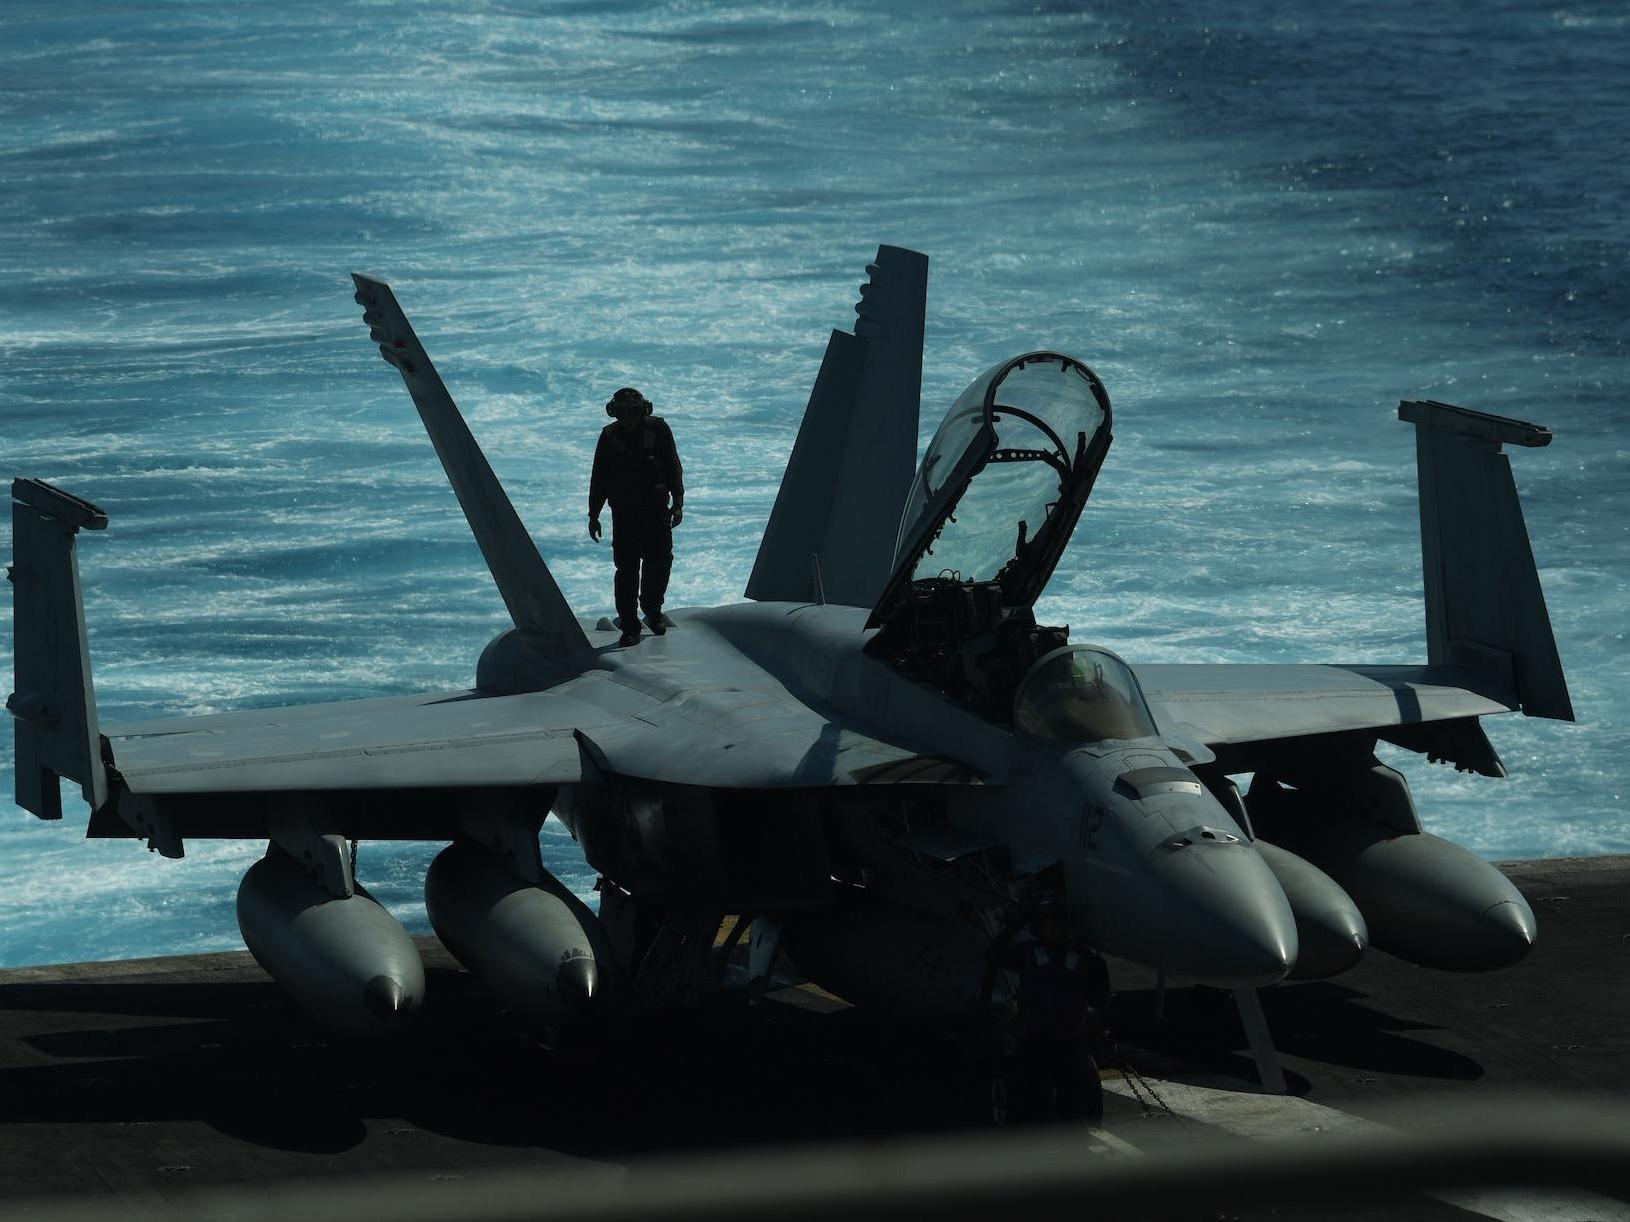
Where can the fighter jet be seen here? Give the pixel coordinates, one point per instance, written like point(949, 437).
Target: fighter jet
point(878, 758)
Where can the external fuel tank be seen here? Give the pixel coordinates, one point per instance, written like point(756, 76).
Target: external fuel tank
point(1424, 899)
point(345, 961)
point(537, 946)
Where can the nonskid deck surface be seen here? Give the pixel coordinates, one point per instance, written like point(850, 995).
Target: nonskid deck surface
point(172, 1075)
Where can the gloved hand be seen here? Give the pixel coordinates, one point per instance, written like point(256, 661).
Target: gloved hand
point(677, 515)
point(594, 528)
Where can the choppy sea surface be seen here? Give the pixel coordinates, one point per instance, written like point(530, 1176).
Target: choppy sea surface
point(1261, 224)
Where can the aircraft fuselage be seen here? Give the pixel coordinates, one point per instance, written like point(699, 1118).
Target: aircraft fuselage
point(1155, 870)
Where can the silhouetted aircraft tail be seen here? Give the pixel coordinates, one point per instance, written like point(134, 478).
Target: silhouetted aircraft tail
point(831, 534)
point(1484, 607)
point(535, 603)
point(54, 704)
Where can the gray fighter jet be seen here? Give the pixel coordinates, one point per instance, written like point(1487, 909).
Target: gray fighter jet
point(881, 757)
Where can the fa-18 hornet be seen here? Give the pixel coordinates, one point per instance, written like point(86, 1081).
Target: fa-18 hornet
point(880, 756)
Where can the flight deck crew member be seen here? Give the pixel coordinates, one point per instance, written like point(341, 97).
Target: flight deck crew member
point(1062, 1002)
point(636, 468)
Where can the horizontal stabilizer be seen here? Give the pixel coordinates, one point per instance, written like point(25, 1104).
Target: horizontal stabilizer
point(1484, 606)
point(831, 533)
point(54, 704)
point(535, 603)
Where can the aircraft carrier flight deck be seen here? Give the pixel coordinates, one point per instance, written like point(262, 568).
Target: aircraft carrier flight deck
point(145, 1081)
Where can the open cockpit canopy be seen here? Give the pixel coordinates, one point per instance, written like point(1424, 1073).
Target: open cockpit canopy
point(1004, 480)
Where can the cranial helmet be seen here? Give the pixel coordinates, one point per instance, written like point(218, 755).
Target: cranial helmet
point(626, 398)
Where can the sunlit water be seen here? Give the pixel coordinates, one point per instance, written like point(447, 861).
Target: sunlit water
point(1261, 231)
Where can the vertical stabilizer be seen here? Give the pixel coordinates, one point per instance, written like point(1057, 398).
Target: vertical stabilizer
point(1484, 607)
point(535, 603)
point(54, 704)
point(852, 465)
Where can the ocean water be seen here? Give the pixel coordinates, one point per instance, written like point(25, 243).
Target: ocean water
point(1261, 224)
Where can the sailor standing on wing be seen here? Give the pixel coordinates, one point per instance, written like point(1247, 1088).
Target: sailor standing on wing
point(636, 468)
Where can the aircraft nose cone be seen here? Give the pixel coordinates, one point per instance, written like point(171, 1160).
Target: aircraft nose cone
point(388, 1001)
point(580, 983)
point(1227, 920)
point(1505, 934)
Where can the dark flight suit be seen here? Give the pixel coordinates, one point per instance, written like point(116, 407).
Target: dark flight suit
point(638, 471)
point(1062, 997)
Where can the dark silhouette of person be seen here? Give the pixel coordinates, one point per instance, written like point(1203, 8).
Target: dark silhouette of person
point(1061, 1004)
point(636, 469)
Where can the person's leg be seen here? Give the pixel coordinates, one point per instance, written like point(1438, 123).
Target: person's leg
point(625, 553)
point(1094, 1110)
point(1035, 1093)
point(657, 548)
point(1080, 1094)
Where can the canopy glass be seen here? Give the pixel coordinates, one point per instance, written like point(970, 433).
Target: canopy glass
point(1082, 694)
point(1005, 477)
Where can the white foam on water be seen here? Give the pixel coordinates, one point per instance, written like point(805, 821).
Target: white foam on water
point(682, 197)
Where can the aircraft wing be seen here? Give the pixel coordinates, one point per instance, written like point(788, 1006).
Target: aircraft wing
point(756, 738)
point(1234, 708)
